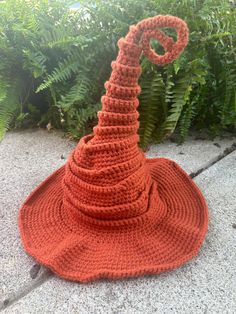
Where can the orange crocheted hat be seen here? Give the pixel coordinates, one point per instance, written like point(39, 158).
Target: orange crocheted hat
point(110, 212)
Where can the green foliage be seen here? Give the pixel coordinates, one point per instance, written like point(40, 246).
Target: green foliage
point(8, 106)
point(78, 120)
point(54, 62)
point(152, 116)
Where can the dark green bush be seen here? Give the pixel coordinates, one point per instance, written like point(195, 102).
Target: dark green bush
point(54, 62)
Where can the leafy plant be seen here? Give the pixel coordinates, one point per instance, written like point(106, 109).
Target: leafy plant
point(152, 116)
point(54, 62)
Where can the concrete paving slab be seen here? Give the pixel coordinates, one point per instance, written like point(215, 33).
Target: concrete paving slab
point(26, 158)
point(204, 285)
point(195, 153)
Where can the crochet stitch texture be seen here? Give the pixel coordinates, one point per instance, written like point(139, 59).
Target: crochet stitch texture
point(110, 212)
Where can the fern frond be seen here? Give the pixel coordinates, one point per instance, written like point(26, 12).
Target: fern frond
point(79, 93)
point(152, 106)
point(65, 41)
point(55, 37)
point(169, 84)
point(79, 122)
point(187, 117)
point(35, 61)
point(8, 108)
point(181, 93)
point(86, 114)
point(63, 72)
point(185, 122)
point(228, 114)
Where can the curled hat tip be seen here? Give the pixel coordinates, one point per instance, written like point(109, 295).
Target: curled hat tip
point(122, 88)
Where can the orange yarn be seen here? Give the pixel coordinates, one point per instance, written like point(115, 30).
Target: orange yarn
point(110, 212)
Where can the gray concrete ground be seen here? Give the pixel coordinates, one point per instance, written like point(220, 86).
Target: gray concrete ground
point(205, 284)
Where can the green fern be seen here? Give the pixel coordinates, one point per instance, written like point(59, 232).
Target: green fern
point(86, 114)
point(80, 119)
point(186, 119)
point(169, 84)
point(7, 112)
point(61, 38)
point(185, 122)
point(181, 94)
point(8, 107)
point(228, 113)
point(57, 37)
point(152, 106)
point(63, 72)
point(66, 56)
point(79, 93)
point(35, 61)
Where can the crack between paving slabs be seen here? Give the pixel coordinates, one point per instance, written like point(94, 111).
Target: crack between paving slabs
point(44, 276)
point(213, 161)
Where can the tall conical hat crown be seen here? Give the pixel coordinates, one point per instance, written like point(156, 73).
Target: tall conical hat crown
point(106, 176)
point(111, 212)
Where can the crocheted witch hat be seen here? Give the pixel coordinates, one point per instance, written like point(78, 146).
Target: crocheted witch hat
point(111, 212)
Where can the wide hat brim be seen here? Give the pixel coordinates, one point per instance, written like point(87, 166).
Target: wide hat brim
point(82, 249)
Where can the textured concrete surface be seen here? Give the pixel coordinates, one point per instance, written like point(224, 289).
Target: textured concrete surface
point(203, 285)
point(195, 153)
point(26, 158)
